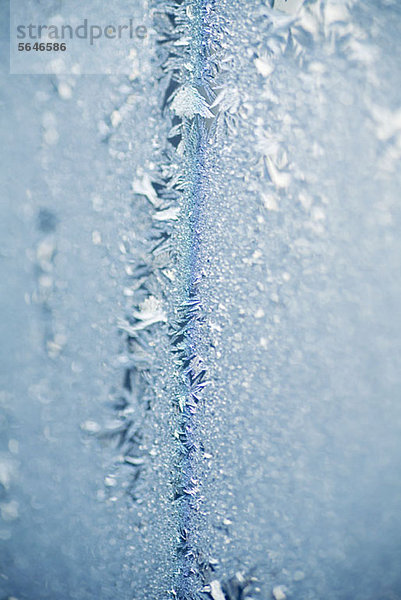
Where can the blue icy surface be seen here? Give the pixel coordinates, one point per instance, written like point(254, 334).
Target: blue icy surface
point(299, 286)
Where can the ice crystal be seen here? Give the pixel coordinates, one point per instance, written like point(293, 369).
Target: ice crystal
point(188, 102)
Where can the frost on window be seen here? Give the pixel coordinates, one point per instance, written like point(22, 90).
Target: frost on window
point(201, 310)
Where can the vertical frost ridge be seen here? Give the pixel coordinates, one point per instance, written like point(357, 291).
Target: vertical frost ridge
point(166, 330)
point(165, 316)
point(186, 65)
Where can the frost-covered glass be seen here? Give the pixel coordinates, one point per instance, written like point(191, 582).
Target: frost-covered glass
point(201, 310)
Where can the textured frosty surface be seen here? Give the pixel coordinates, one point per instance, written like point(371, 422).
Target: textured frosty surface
point(201, 301)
